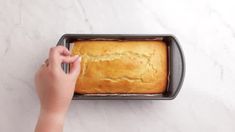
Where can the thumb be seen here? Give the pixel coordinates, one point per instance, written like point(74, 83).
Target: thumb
point(75, 68)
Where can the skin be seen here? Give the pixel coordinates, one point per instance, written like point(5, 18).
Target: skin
point(55, 89)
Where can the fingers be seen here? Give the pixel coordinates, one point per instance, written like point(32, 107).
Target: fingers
point(75, 68)
point(60, 55)
point(44, 64)
point(69, 59)
point(56, 56)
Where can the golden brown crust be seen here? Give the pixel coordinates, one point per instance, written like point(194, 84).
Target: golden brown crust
point(121, 66)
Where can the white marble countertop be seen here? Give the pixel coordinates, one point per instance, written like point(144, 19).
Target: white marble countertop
point(205, 29)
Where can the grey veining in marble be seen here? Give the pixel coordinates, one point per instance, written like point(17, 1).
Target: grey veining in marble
point(205, 29)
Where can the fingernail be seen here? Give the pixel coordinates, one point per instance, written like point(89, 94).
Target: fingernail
point(80, 58)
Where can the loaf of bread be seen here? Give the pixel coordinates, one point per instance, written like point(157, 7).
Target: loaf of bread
point(129, 67)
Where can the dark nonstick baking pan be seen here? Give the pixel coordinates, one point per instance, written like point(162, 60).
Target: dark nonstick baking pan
point(176, 65)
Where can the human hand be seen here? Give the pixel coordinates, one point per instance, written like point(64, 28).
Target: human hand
point(55, 88)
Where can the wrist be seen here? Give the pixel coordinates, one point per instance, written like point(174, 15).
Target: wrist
point(56, 109)
point(58, 117)
point(48, 122)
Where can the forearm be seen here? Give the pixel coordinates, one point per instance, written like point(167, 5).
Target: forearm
point(50, 122)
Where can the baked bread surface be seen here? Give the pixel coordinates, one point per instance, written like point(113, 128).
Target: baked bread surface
point(129, 67)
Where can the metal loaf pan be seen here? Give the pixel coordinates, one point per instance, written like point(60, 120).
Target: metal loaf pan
point(176, 65)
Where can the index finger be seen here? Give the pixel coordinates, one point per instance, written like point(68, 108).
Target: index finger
point(55, 55)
